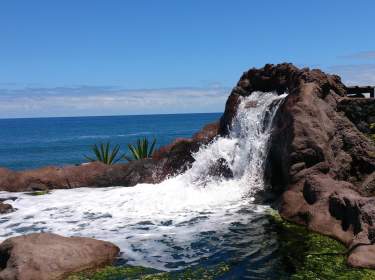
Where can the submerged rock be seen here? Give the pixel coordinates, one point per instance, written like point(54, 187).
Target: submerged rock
point(44, 256)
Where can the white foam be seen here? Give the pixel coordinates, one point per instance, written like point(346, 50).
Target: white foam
point(149, 222)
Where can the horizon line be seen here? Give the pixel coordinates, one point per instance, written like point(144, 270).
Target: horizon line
point(107, 116)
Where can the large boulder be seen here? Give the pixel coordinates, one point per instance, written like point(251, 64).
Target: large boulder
point(44, 256)
point(320, 165)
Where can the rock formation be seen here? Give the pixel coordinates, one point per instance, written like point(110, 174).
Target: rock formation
point(45, 256)
point(320, 163)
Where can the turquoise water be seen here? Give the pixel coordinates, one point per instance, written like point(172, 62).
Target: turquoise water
point(37, 142)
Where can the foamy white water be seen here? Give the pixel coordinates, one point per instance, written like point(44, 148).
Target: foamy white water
point(161, 225)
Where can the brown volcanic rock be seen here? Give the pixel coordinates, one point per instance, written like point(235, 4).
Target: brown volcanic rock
point(44, 256)
point(319, 162)
point(280, 78)
point(94, 174)
point(177, 156)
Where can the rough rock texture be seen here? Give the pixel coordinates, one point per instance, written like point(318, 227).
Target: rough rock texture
point(5, 208)
point(178, 157)
point(89, 175)
point(44, 256)
point(361, 111)
point(168, 160)
point(320, 163)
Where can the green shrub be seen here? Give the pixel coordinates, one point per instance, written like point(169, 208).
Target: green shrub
point(105, 154)
point(141, 150)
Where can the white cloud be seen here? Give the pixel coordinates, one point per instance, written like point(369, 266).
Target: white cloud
point(83, 101)
point(360, 55)
point(356, 74)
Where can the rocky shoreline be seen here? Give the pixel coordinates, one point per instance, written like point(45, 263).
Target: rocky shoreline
point(320, 170)
point(169, 160)
point(321, 167)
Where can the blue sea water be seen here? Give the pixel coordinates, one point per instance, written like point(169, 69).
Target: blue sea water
point(37, 142)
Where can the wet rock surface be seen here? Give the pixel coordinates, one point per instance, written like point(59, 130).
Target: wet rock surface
point(44, 256)
point(5, 208)
point(320, 164)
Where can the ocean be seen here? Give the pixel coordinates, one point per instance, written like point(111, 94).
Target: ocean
point(36, 142)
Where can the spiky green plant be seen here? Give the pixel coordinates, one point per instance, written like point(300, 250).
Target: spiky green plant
point(104, 153)
point(141, 150)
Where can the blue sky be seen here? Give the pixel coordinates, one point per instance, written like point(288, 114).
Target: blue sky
point(77, 57)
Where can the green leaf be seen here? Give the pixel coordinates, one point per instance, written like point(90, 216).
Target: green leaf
point(114, 154)
point(97, 153)
point(102, 152)
point(89, 158)
point(142, 149)
point(152, 148)
point(105, 154)
point(134, 151)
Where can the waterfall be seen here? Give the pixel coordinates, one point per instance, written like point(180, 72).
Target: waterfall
point(152, 224)
point(245, 149)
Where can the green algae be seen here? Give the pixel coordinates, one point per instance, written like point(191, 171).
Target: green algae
point(113, 273)
point(142, 273)
point(36, 193)
point(371, 135)
point(311, 256)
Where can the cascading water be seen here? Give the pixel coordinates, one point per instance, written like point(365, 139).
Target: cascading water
point(180, 221)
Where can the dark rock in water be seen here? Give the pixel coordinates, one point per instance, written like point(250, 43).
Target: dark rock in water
point(5, 208)
point(220, 169)
point(44, 256)
point(8, 198)
point(320, 162)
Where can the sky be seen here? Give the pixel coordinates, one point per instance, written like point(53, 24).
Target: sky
point(109, 57)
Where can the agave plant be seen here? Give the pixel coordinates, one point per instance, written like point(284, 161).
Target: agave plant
point(141, 150)
point(105, 154)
